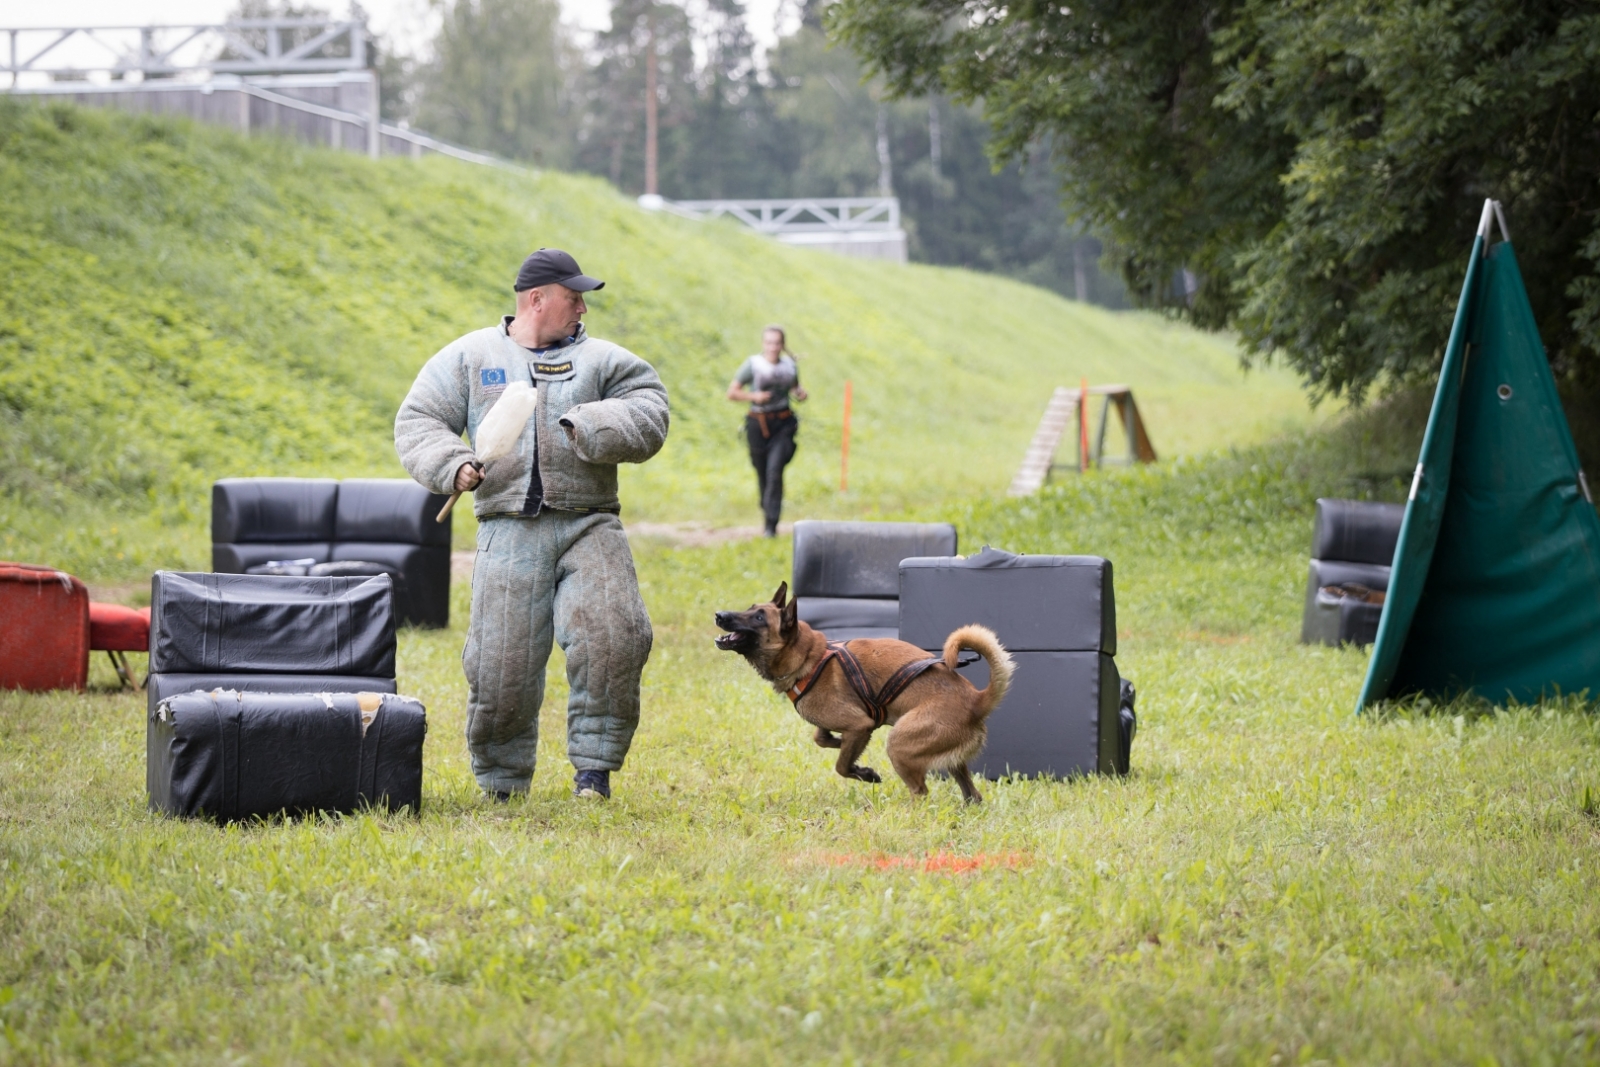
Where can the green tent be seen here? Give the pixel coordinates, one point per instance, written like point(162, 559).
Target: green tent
point(1496, 580)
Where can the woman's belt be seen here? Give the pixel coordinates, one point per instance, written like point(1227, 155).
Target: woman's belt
point(762, 416)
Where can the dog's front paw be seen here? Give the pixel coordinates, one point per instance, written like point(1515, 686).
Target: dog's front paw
point(865, 774)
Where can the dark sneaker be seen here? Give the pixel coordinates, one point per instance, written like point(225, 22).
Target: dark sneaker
point(499, 796)
point(592, 784)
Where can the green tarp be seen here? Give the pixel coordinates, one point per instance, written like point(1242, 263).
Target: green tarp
point(1496, 581)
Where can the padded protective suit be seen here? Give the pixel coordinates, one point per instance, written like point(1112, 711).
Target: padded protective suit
point(565, 577)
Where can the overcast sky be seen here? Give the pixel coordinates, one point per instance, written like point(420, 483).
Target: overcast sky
point(406, 22)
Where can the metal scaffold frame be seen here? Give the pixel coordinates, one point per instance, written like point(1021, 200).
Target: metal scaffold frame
point(224, 48)
point(304, 77)
point(855, 225)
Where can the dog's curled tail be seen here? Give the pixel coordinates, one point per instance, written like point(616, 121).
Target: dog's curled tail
point(982, 640)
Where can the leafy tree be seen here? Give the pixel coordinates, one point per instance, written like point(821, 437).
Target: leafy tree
point(498, 80)
point(1318, 165)
point(728, 146)
point(611, 131)
point(808, 125)
point(963, 212)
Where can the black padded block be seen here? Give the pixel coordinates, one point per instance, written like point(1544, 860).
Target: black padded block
point(422, 596)
point(255, 623)
point(160, 686)
point(850, 618)
point(1033, 603)
point(1315, 625)
point(1356, 531)
point(273, 510)
point(1059, 718)
point(240, 558)
point(391, 510)
point(862, 559)
point(232, 755)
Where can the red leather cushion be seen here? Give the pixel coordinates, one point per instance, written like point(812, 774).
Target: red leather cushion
point(114, 628)
point(44, 629)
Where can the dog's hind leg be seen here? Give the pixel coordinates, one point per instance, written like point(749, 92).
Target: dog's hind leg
point(963, 777)
point(851, 744)
point(827, 739)
point(915, 746)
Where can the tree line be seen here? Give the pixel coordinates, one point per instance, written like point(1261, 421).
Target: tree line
point(1316, 167)
point(504, 76)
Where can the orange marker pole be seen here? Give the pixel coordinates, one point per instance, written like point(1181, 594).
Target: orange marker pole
point(844, 447)
point(1083, 426)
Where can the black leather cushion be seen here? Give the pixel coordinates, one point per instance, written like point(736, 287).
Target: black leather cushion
point(389, 509)
point(271, 510)
point(240, 558)
point(1033, 603)
point(1323, 572)
point(861, 559)
point(1356, 531)
point(829, 613)
point(232, 755)
point(270, 625)
point(849, 618)
point(422, 597)
point(161, 685)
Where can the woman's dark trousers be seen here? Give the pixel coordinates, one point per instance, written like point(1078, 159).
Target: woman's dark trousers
point(769, 454)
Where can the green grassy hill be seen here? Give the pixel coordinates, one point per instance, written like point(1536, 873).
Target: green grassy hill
point(182, 304)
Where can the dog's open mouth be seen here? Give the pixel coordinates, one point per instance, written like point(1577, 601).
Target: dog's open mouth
point(737, 641)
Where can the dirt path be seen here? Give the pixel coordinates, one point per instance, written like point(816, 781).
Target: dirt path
point(675, 534)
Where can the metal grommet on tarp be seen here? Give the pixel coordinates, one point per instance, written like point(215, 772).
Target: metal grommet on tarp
point(1504, 392)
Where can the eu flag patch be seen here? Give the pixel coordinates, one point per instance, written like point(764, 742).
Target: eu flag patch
point(492, 376)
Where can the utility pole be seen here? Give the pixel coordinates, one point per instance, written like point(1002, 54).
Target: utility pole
point(885, 164)
point(650, 105)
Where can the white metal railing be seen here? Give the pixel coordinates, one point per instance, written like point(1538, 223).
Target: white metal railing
point(245, 46)
point(804, 215)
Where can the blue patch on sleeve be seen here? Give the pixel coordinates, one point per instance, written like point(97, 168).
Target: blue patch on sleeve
point(493, 376)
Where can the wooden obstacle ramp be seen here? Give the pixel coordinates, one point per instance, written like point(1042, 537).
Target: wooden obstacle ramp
point(1070, 407)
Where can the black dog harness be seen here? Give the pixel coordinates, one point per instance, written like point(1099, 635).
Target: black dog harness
point(877, 703)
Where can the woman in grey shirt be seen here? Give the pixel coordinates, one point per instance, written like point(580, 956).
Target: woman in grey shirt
point(767, 382)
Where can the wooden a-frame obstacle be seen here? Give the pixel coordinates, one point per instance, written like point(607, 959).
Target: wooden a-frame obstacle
point(1069, 405)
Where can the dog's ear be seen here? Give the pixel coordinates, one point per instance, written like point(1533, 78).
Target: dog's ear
point(780, 595)
point(791, 616)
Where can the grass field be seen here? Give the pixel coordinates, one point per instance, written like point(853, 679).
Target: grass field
point(1277, 882)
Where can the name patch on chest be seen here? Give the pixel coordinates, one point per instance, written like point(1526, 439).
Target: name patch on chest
point(551, 368)
point(492, 376)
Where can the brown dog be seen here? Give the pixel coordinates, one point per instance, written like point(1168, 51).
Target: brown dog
point(849, 690)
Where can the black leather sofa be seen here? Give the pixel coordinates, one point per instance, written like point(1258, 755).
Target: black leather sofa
point(320, 527)
point(847, 574)
point(1352, 548)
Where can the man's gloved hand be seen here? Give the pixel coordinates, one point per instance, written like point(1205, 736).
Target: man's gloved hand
point(467, 478)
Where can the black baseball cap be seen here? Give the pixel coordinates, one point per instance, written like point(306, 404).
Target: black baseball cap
point(551, 265)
